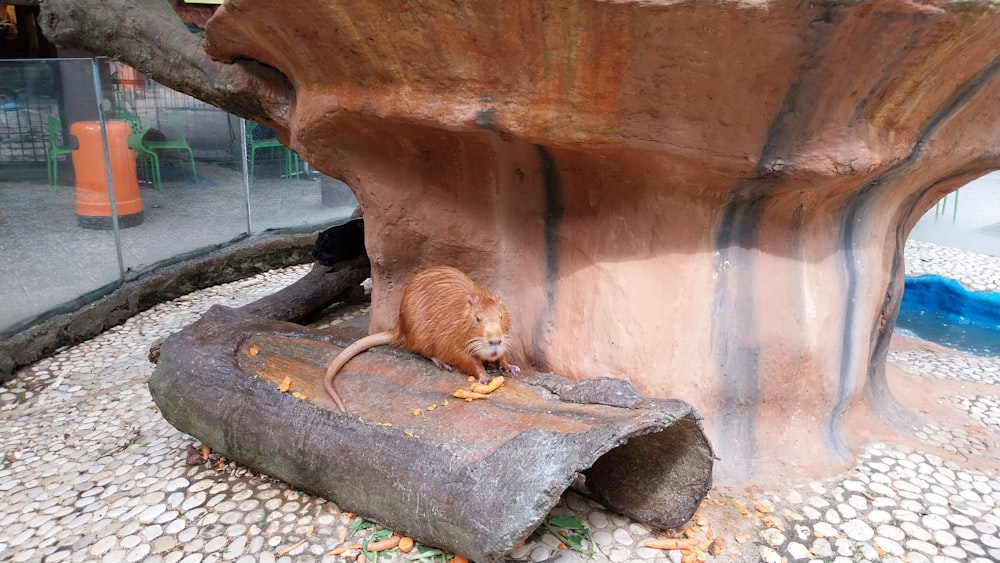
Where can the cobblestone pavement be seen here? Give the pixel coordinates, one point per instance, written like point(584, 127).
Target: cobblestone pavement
point(977, 272)
point(89, 471)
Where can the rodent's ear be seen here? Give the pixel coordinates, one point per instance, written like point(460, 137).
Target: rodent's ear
point(475, 301)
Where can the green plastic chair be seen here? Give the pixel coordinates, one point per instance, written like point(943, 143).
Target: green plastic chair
point(54, 151)
point(253, 145)
point(148, 161)
point(942, 206)
point(178, 143)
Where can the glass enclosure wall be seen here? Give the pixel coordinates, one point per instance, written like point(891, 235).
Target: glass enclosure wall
point(177, 186)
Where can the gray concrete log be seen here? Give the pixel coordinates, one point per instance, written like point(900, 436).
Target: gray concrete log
point(472, 477)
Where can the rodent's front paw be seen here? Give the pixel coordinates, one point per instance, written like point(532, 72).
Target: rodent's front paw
point(511, 368)
point(442, 365)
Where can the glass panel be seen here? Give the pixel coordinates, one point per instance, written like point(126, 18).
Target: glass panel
point(285, 191)
point(189, 166)
point(177, 170)
point(54, 246)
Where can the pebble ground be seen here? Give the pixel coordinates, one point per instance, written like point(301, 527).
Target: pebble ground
point(89, 471)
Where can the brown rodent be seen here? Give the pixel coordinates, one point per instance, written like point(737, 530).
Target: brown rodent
point(446, 317)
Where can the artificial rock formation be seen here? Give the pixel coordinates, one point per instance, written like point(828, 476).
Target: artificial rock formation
point(709, 200)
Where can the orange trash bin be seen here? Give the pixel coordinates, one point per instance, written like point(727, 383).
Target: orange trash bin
point(93, 203)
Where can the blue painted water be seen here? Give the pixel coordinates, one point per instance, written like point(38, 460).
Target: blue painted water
point(940, 310)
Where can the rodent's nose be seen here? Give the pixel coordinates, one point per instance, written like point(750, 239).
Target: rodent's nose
point(495, 341)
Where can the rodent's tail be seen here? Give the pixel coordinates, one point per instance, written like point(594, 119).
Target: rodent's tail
point(377, 339)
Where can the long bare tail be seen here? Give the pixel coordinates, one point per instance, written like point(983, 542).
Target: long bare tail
point(377, 339)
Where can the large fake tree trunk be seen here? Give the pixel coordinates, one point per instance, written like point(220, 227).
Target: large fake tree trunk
point(707, 199)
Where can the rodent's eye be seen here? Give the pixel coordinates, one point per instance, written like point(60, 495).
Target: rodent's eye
point(478, 320)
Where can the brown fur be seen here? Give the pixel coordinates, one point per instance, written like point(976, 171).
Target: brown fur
point(446, 317)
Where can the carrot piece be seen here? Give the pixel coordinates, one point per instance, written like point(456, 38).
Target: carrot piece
point(345, 548)
point(490, 387)
point(406, 544)
point(672, 543)
point(468, 395)
point(385, 544)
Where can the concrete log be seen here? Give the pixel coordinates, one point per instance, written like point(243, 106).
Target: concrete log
point(473, 477)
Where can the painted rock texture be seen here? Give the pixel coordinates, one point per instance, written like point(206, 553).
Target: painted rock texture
point(709, 200)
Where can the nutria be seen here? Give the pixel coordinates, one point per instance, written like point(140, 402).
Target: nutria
point(447, 318)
